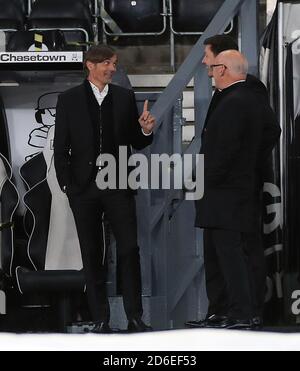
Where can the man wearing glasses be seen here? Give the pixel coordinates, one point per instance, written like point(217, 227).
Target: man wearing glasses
point(235, 140)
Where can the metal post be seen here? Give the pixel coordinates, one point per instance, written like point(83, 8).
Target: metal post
point(203, 94)
point(172, 38)
point(281, 70)
point(172, 51)
point(249, 34)
point(178, 122)
point(188, 68)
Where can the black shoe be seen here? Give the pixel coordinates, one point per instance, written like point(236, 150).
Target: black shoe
point(257, 323)
point(101, 328)
point(196, 324)
point(137, 325)
point(215, 321)
point(209, 322)
point(239, 324)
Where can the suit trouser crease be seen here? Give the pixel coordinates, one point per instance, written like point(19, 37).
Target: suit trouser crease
point(229, 248)
point(215, 283)
point(119, 209)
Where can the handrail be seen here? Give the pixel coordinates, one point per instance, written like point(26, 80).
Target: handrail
point(189, 67)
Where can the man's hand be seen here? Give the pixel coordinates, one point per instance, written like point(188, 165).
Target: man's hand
point(147, 121)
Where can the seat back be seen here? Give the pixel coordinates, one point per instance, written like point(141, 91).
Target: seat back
point(38, 203)
point(9, 201)
point(12, 15)
point(22, 4)
point(193, 16)
point(63, 14)
point(22, 41)
point(32, 173)
point(142, 16)
point(4, 137)
point(53, 241)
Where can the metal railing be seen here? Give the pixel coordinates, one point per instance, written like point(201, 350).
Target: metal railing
point(174, 240)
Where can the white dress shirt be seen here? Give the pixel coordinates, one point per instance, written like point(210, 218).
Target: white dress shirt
point(100, 95)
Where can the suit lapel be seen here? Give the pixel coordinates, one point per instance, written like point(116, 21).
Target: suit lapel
point(115, 113)
point(84, 105)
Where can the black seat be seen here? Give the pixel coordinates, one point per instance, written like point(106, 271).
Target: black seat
point(37, 280)
point(193, 16)
point(32, 173)
point(4, 137)
point(142, 16)
point(9, 200)
point(23, 5)
point(22, 41)
point(12, 15)
point(73, 17)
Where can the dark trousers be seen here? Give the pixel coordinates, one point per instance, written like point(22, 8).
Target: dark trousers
point(119, 209)
point(229, 279)
point(215, 284)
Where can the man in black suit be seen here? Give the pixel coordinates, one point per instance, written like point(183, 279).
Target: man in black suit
point(93, 119)
point(215, 285)
point(235, 143)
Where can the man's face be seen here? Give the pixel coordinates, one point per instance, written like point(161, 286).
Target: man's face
point(209, 59)
point(102, 73)
point(219, 71)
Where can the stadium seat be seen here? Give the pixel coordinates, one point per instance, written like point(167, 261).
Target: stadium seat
point(12, 15)
point(9, 201)
point(136, 17)
point(52, 253)
point(73, 17)
point(32, 173)
point(193, 16)
point(22, 41)
point(4, 136)
point(23, 5)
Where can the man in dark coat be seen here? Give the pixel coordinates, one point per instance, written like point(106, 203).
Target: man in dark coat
point(93, 119)
point(215, 285)
point(235, 144)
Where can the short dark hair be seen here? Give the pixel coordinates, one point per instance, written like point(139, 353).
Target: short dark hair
point(220, 43)
point(98, 54)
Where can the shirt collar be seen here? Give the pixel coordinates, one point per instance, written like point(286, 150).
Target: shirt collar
point(96, 90)
point(234, 83)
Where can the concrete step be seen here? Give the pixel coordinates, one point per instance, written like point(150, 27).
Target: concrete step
point(189, 114)
point(188, 133)
point(157, 83)
point(152, 81)
point(189, 99)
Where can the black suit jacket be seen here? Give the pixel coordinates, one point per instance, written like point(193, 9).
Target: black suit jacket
point(76, 147)
point(235, 141)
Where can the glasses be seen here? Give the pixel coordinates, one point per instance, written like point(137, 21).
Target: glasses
point(217, 65)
